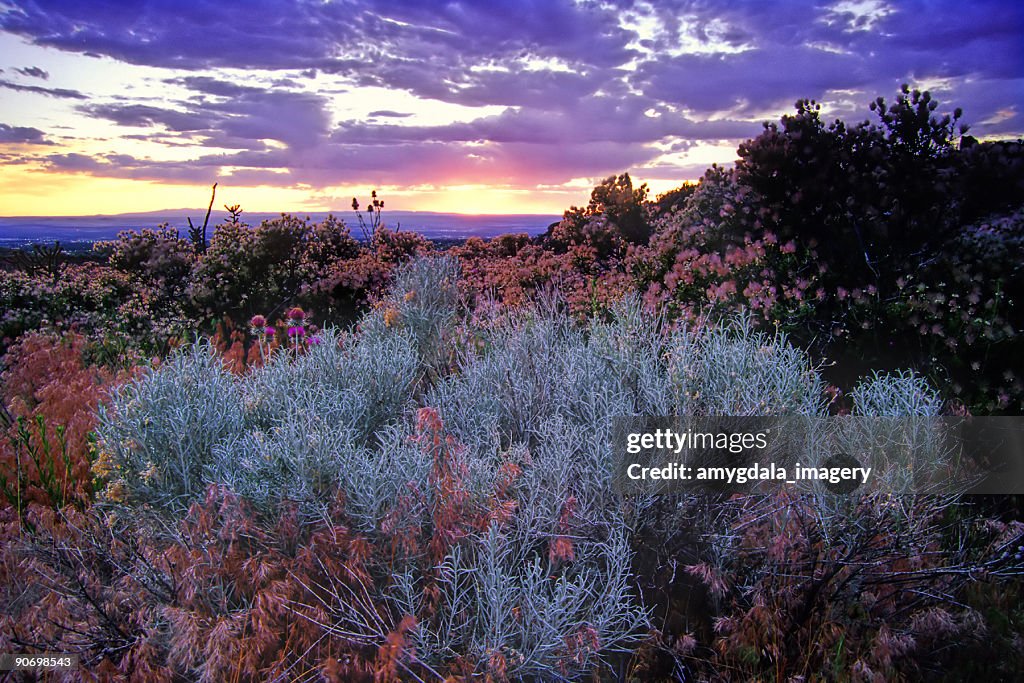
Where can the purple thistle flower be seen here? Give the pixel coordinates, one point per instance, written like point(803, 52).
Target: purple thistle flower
point(296, 331)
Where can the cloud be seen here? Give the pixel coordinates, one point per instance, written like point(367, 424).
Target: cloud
point(22, 135)
point(791, 51)
point(475, 54)
point(33, 72)
point(145, 116)
point(214, 86)
point(422, 47)
point(588, 120)
point(750, 82)
point(52, 92)
point(585, 88)
point(387, 113)
point(73, 161)
point(237, 116)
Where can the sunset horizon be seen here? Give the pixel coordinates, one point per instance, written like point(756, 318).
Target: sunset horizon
point(533, 340)
point(449, 108)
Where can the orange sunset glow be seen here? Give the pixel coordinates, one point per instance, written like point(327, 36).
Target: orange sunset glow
point(450, 109)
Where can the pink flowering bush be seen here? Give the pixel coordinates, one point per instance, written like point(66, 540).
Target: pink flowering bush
point(513, 271)
point(701, 260)
point(110, 307)
point(346, 285)
point(870, 243)
point(159, 259)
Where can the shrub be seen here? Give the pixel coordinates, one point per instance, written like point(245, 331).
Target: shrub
point(896, 395)
point(733, 369)
point(158, 433)
point(86, 298)
point(50, 396)
point(514, 272)
point(879, 191)
point(157, 258)
point(260, 270)
point(773, 237)
point(424, 301)
point(275, 433)
point(704, 259)
point(622, 213)
point(520, 572)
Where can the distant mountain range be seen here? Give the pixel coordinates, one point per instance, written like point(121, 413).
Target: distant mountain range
point(22, 230)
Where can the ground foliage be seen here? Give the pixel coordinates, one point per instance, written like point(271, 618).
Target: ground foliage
point(293, 454)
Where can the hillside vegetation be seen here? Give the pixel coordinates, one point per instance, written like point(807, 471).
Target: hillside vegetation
point(290, 454)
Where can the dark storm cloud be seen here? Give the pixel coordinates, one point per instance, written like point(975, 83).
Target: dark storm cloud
point(39, 90)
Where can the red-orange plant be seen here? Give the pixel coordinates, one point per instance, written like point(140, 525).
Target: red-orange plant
point(48, 386)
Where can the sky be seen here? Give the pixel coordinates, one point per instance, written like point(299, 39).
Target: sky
point(510, 106)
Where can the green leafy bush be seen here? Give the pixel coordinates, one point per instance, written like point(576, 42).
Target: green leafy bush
point(246, 270)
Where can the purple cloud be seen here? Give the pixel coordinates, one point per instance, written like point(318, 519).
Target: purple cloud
point(146, 116)
point(237, 116)
point(39, 90)
point(22, 135)
point(583, 94)
point(33, 72)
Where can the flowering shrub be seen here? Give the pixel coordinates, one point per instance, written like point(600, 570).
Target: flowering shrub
point(701, 262)
point(358, 509)
point(514, 271)
point(119, 314)
point(516, 589)
point(159, 258)
point(86, 298)
point(803, 234)
point(257, 270)
point(153, 289)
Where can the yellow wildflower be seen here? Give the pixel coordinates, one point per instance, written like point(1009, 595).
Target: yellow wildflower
point(104, 465)
point(116, 492)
